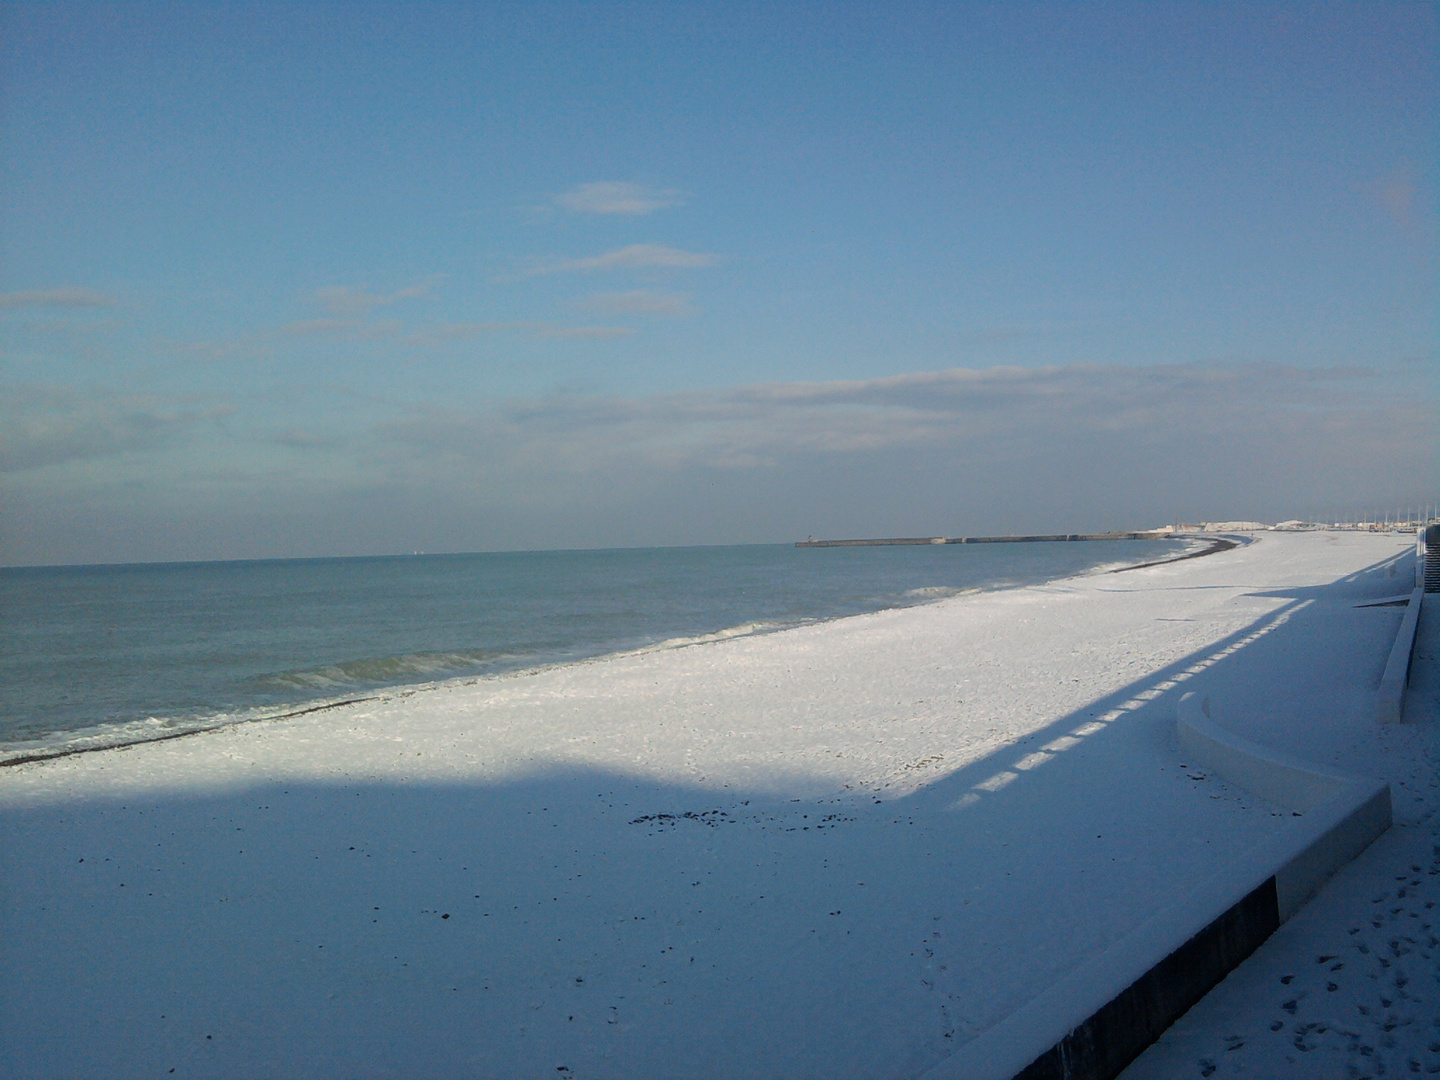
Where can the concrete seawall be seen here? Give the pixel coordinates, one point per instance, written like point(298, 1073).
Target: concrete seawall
point(1091, 1024)
point(1390, 698)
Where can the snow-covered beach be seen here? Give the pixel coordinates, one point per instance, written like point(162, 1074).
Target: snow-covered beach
point(840, 850)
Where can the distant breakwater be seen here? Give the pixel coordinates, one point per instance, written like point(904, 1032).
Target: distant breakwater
point(1153, 534)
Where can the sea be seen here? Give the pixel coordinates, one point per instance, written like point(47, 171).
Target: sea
point(95, 656)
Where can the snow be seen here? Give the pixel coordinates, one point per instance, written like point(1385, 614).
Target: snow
point(839, 850)
point(1233, 526)
point(1351, 986)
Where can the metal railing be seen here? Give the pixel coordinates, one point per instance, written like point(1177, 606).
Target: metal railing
point(1427, 558)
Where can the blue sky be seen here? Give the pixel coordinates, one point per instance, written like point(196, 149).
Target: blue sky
point(347, 278)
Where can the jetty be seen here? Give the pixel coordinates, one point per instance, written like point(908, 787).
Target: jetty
point(1150, 534)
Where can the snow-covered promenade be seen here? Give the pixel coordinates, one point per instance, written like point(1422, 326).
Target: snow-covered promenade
point(1351, 986)
point(837, 851)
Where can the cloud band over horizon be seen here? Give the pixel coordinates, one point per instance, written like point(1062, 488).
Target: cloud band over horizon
point(960, 451)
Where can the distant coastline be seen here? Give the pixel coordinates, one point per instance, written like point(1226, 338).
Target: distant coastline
point(1151, 534)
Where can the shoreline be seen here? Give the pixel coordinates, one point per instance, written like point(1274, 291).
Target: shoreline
point(1216, 546)
point(51, 755)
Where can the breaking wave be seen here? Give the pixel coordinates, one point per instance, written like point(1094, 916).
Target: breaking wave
point(739, 630)
point(389, 670)
point(939, 592)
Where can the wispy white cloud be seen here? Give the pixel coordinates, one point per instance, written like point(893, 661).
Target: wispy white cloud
point(309, 327)
point(344, 300)
point(299, 438)
point(354, 329)
point(631, 257)
point(63, 298)
point(584, 332)
point(450, 333)
point(615, 197)
point(383, 332)
point(1400, 195)
point(446, 334)
point(74, 327)
point(639, 302)
point(46, 425)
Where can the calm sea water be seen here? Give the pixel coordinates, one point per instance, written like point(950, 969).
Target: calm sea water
point(97, 654)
